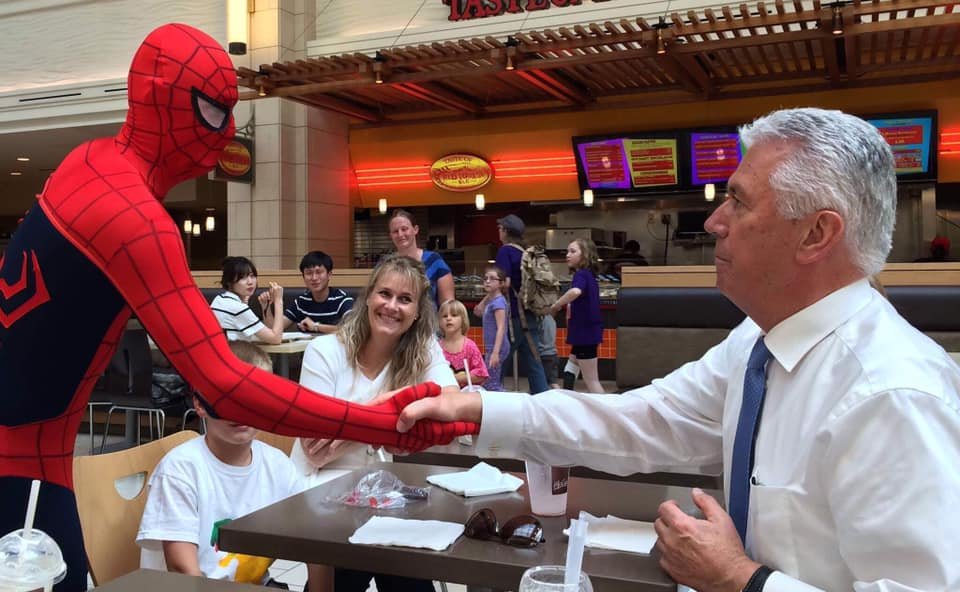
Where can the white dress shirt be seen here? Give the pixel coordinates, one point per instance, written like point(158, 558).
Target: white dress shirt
point(857, 460)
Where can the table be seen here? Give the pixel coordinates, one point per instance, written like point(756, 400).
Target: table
point(457, 455)
point(146, 580)
point(283, 351)
point(307, 528)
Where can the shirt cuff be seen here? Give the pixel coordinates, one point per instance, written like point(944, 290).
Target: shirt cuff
point(501, 424)
point(781, 582)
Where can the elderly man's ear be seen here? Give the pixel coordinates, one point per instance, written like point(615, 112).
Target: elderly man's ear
point(824, 232)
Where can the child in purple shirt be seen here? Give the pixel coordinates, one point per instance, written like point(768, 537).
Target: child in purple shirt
point(584, 324)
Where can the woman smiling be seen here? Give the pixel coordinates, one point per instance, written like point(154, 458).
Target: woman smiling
point(387, 341)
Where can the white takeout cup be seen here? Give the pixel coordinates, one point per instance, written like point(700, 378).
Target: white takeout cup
point(548, 489)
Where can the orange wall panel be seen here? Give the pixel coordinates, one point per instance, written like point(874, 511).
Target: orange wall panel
point(546, 136)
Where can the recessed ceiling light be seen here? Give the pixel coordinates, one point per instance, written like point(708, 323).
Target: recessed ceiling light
point(16, 173)
point(23, 158)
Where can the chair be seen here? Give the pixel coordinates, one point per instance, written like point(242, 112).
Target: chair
point(134, 355)
point(110, 521)
point(282, 443)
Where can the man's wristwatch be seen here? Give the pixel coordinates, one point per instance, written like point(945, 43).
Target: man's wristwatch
point(758, 579)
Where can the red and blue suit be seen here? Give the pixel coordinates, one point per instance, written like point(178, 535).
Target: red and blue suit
point(98, 246)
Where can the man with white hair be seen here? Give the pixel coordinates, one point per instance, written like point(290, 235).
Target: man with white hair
point(837, 422)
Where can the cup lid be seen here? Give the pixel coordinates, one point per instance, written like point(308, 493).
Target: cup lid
point(29, 562)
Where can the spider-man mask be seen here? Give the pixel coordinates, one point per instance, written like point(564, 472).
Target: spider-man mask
point(182, 88)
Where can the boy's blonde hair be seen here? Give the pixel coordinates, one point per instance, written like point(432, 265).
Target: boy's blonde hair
point(251, 354)
point(458, 309)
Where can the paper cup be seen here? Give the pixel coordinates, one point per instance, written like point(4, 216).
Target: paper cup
point(548, 489)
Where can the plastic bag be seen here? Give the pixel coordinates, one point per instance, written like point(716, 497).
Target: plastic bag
point(382, 490)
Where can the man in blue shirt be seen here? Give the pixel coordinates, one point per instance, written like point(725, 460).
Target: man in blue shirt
point(320, 307)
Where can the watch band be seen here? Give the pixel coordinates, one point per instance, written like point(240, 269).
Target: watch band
point(758, 579)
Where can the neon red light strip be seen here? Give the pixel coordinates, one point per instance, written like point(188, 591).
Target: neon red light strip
point(392, 176)
point(565, 174)
point(417, 182)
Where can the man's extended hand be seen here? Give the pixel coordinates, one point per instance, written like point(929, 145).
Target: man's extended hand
point(448, 406)
point(706, 555)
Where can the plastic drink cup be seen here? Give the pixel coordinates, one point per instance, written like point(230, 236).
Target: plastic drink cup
point(548, 489)
point(550, 578)
point(30, 560)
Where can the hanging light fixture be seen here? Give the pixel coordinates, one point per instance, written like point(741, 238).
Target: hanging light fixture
point(511, 44)
point(262, 92)
point(210, 223)
point(238, 25)
point(382, 205)
point(188, 225)
point(196, 230)
point(661, 46)
point(480, 201)
point(379, 59)
point(837, 27)
point(588, 197)
point(709, 192)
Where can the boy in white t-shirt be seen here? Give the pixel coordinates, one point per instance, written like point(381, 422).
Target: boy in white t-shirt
point(206, 482)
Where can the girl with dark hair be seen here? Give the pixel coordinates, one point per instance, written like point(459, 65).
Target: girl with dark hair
point(584, 324)
point(239, 322)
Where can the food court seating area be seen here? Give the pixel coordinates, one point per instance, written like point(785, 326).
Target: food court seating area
point(659, 329)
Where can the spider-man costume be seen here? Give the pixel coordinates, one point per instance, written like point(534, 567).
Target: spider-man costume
point(97, 244)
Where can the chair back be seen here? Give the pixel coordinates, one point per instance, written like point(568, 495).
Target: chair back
point(110, 521)
point(282, 443)
point(136, 349)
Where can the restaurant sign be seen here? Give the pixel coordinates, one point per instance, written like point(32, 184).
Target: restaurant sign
point(460, 172)
point(461, 10)
point(236, 161)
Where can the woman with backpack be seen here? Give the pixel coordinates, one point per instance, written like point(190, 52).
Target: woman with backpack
point(403, 232)
point(584, 323)
point(522, 341)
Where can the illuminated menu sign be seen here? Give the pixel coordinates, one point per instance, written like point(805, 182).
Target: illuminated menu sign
point(714, 157)
point(652, 162)
point(910, 140)
point(605, 164)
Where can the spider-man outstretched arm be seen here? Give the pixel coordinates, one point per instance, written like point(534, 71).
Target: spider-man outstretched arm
point(132, 239)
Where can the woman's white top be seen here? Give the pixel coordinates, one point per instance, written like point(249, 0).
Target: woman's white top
point(326, 370)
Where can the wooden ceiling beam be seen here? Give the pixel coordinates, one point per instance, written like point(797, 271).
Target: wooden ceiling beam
point(340, 106)
point(438, 96)
point(535, 80)
point(565, 87)
point(917, 22)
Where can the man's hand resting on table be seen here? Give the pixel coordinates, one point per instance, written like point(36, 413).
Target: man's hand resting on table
point(707, 554)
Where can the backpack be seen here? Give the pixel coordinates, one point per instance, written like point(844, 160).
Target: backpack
point(539, 287)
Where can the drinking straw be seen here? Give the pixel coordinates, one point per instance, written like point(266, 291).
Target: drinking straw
point(466, 368)
point(578, 538)
point(31, 509)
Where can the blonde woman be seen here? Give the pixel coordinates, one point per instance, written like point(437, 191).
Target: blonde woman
point(584, 323)
point(386, 342)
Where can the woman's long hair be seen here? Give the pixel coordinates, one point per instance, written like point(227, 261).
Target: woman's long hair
point(412, 355)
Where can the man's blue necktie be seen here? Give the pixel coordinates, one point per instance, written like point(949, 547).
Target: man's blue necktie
point(741, 466)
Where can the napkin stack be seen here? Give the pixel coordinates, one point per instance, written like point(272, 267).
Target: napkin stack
point(611, 532)
point(401, 532)
point(482, 479)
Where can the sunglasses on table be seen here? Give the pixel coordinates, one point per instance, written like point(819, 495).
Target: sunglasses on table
point(519, 531)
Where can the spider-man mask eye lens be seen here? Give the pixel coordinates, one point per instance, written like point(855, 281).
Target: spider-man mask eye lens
point(213, 115)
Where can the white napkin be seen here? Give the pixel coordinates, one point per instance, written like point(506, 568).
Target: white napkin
point(295, 335)
point(482, 479)
point(401, 532)
point(611, 532)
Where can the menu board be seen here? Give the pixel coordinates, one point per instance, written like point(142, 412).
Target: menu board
point(713, 157)
point(652, 162)
point(605, 164)
point(909, 138)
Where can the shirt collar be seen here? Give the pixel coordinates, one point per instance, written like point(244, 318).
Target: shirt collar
point(231, 295)
point(796, 335)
